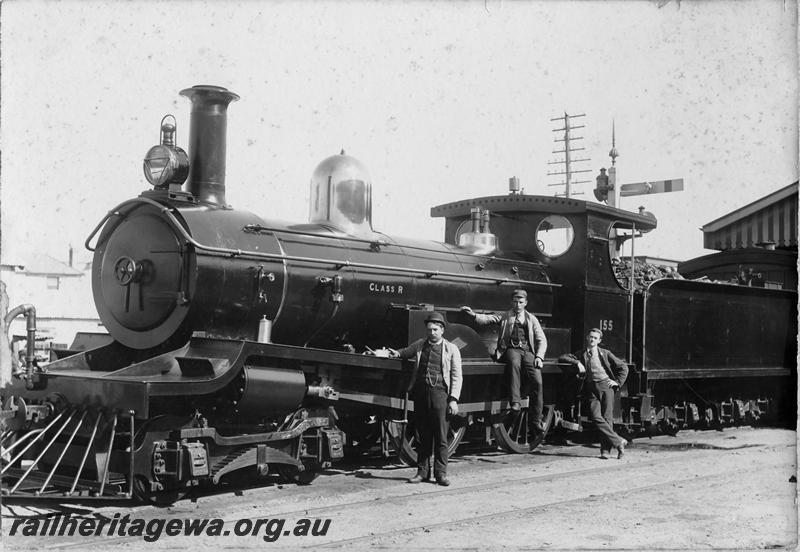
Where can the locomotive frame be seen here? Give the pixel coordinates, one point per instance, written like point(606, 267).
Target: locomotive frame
point(192, 387)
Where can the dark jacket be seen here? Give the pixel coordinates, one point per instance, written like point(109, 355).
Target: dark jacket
point(615, 368)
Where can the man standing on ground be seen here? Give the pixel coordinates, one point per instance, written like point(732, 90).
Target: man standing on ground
point(436, 384)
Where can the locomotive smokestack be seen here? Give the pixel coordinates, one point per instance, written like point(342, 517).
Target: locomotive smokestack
point(209, 121)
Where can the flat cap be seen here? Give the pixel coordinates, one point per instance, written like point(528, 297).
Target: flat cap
point(520, 293)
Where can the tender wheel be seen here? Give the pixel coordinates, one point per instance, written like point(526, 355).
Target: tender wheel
point(405, 441)
point(668, 428)
point(511, 431)
point(142, 491)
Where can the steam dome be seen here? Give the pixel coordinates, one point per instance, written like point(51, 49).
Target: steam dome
point(341, 195)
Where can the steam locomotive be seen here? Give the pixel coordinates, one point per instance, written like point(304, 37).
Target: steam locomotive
point(235, 343)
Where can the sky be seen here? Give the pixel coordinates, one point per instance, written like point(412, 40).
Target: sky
point(440, 100)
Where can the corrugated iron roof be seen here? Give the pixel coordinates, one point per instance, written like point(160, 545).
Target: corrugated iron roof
point(771, 219)
point(749, 209)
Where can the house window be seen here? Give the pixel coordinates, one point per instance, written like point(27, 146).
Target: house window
point(52, 282)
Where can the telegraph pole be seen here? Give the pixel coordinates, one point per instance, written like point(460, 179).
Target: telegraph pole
point(568, 160)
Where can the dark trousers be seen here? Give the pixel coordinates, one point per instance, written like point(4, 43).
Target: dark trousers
point(601, 411)
point(430, 411)
point(516, 359)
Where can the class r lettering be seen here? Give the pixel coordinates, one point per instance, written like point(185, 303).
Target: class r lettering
point(385, 288)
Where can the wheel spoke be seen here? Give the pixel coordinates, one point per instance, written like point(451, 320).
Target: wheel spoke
point(406, 446)
point(511, 431)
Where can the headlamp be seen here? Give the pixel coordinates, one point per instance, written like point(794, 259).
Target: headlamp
point(166, 163)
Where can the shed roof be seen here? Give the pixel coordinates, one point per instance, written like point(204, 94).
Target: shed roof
point(40, 264)
point(773, 218)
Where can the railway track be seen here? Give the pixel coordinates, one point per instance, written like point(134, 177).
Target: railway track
point(504, 514)
point(518, 489)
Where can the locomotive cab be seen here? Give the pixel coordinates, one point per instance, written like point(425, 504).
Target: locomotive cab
point(577, 241)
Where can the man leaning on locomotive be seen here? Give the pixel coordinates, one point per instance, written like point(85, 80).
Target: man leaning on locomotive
point(520, 343)
point(603, 373)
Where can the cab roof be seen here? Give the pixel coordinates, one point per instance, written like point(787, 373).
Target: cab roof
point(547, 204)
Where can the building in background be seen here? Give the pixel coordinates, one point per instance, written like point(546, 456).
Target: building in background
point(61, 293)
point(757, 244)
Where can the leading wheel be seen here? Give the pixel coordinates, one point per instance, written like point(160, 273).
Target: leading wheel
point(143, 491)
point(362, 434)
point(405, 440)
point(511, 430)
point(290, 474)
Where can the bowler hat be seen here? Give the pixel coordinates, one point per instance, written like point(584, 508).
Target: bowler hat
point(436, 317)
point(520, 293)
